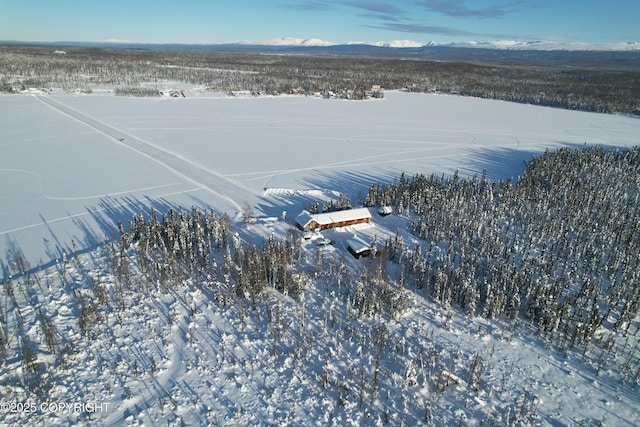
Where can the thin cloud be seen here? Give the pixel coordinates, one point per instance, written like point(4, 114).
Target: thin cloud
point(459, 9)
point(454, 8)
point(377, 17)
point(439, 30)
point(422, 29)
point(379, 8)
point(387, 16)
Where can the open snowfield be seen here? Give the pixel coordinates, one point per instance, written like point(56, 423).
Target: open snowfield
point(71, 167)
point(167, 353)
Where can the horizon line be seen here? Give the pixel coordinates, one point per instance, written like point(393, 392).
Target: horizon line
point(285, 42)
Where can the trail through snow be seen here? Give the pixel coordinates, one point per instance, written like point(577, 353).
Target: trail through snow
point(179, 165)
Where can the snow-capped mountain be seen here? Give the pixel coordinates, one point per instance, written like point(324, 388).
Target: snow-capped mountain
point(486, 44)
point(293, 41)
point(546, 45)
point(392, 43)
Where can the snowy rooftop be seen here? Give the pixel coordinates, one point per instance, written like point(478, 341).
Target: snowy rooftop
point(304, 218)
point(358, 245)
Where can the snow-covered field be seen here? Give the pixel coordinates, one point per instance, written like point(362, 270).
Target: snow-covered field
point(71, 167)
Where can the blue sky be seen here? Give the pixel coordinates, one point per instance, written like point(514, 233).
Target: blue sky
point(220, 21)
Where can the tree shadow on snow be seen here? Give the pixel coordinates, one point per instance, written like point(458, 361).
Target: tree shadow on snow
point(110, 211)
point(505, 163)
point(99, 224)
point(319, 187)
point(502, 164)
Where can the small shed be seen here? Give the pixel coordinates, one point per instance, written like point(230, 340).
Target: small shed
point(358, 248)
point(307, 221)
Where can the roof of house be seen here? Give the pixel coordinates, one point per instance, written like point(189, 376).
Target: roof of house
point(304, 218)
point(357, 245)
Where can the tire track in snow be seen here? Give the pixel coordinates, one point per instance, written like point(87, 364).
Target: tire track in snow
point(214, 182)
point(119, 193)
point(27, 172)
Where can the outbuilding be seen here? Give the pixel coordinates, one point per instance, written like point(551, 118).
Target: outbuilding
point(358, 248)
point(307, 221)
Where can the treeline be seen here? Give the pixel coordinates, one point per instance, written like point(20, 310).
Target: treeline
point(561, 249)
point(198, 246)
point(600, 90)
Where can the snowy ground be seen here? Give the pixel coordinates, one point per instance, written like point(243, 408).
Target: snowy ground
point(182, 356)
point(72, 166)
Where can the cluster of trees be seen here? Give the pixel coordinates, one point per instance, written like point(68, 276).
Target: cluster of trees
point(343, 202)
point(562, 248)
point(590, 89)
point(143, 92)
point(199, 246)
point(603, 91)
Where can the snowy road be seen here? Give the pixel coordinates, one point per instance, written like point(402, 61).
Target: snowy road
point(187, 169)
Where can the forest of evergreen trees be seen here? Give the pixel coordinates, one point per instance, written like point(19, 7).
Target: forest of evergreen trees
point(146, 72)
point(560, 249)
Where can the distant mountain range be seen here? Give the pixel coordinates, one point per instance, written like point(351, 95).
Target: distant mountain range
point(621, 55)
point(492, 44)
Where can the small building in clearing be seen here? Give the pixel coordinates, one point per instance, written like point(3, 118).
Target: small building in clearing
point(323, 221)
point(358, 248)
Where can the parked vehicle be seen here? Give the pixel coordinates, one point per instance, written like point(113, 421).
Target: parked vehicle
point(385, 210)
